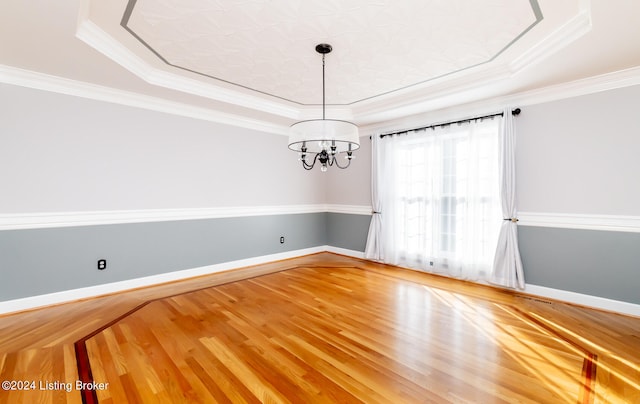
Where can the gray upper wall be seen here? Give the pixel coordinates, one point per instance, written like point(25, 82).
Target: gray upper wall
point(580, 155)
point(61, 153)
point(577, 156)
point(64, 153)
point(353, 185)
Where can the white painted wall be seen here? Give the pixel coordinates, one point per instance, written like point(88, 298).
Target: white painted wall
point(61, 153)
point(581, 155)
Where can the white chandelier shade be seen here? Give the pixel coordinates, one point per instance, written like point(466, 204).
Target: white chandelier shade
point(316, 135)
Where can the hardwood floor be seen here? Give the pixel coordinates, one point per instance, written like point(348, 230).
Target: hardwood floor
point(320, 328)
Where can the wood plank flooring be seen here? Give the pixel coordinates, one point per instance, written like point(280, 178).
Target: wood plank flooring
point(321, 328)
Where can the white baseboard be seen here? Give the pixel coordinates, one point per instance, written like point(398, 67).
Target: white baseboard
point(65, 296)
point(344, 251)
point(49, 299)
point(584, 300)
point(542, 291)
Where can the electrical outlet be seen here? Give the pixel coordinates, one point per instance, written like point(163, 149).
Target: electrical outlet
point(282, 240)
point(102, 264)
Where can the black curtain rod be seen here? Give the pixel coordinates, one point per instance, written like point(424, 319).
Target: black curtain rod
point(514, 112)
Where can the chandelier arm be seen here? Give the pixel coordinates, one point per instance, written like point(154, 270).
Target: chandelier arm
point(342, 167)
point(308, 166)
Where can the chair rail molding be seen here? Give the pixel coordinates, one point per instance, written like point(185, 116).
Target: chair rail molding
point(37, 220)
point(581, 221)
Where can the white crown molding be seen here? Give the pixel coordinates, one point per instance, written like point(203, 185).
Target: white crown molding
point(18, 221)
point(94, 36)
point(432, 95)
point(340, 112)
point(25, 78)
point(591, 85)
point(451, 90)
point(581, 221)
point(563, 36)
point(46, 82)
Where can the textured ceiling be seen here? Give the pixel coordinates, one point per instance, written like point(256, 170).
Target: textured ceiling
point(380, 46)
point(252, 63)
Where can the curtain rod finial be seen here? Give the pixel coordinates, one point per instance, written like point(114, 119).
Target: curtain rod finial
point(516, 111)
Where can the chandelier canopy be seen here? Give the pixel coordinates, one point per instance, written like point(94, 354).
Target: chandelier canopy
point(324, 139)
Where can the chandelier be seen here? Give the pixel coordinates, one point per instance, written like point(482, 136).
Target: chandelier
point(323, 140)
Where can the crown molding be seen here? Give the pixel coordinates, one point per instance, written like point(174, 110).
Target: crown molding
point(605, 82)
point(46, 82)
point(95, 37)
point(98, 39)
point(563, 36)
point(452, 90)
point(460, 88)
point(590, 85)
point(576, 88)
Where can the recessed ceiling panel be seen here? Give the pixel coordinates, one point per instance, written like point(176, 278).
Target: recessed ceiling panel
point(268, 46)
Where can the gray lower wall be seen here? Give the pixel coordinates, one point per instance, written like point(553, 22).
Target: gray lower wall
point(41, 261)
point(597, 263)
point(348, 231)
point(591, 262)
point(35, 262)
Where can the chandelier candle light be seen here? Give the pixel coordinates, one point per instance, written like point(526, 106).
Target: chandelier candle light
point(323, 139)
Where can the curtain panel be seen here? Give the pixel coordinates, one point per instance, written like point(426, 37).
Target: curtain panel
point(507, 265)
point(373, 249)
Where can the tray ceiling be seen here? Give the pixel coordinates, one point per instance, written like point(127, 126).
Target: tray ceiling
point(379, 46)
point(252, 63)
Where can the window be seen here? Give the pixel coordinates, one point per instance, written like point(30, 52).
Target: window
point(442, 200)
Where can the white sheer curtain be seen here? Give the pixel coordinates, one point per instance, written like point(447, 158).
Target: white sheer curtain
point(439, 192)
point(373, 248)
point(507, 266)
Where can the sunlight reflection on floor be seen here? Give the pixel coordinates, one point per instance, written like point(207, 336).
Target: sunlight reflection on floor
point(482, 340)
